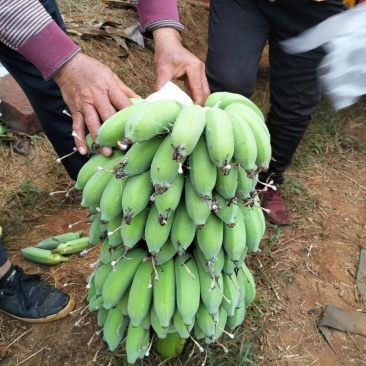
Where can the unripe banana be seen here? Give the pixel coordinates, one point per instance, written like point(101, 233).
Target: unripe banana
point(114, 328)
point(97, 231)
point(235, 239)
point(166, 253)
point(242, 279)
point(167, 202)
point(198, 209)
point(164, 293)
point(120, 278)
point(115, 253)
point(144, 347)
point(141, 292)
point(150, 119)
point(242, 258)
point(187, 287)
point(226, 185)
point(210, 237)
point(111, 200)
point(54, 241)
point(42, 256)
point(260, 132)
point(245, 184)
point(202, 171)
point(211, 293)
point(219, 138)
point(113, 129)
point(72, 246)
point(136, 195)
point(226, 210)
point(155, 324)
point(180, 326)
point(237, 319)
point(229, 265)
point(231, 293)
point(226, 98)
point(122, 304)
point(88, 169)
point(134, 343)
point(139, 157)
point(95, 303)
point(102, 316)
point(131, 234)
point(245, 146)
point(213, 267)
point(96, 185)
point(221, 323)
point(253, 227)
point(170, 347)
point(156, 235)
point(206, 321)
point(187, 130)
point(114, 231)
point(250, 288)
point(91, 292)
point(164, 169)
point(183, 229)
point(198, 332)
point(100, 276)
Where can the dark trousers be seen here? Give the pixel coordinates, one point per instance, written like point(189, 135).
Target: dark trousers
point(238, 32)
point(46, 100)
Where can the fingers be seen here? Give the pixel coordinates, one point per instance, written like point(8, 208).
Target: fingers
point(78, 131)
point(198, 84)
point(163, 75)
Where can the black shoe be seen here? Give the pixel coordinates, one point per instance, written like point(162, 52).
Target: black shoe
point(26, 297)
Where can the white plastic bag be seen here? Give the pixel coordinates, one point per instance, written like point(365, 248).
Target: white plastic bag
point(342, 72)
point(171, 91)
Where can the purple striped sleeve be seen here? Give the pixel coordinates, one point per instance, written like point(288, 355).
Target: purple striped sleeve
point(49, 49)
point(155, 14)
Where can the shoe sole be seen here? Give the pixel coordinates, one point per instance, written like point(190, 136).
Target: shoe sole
point(61, 314)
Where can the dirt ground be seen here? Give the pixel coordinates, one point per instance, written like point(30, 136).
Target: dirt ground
point(299, 271)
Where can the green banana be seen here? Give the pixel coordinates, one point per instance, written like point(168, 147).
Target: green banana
point(231, 293)
point(250, 288)
point(164, 293)
point(237, 319)
point(198, 209)
point(97, 231)
point(120, 278)
point(221, 324)
point(149, 120)
point(234, 241)
point(226, 98)
point(224, 209)
point(198, 332)
point(114, 328)
point(111, 200)
point(95, 303)
point(245, 145)
point(219, 138)
point(206, 321)
point(187, 130)
point(139, 157)
point(183, 229)
point(210, 237)
point(136, 195)
point(96, 185)
point(114, 231)
point(187, 287)
point(100, 276)
point(102, 316)
point(202, 171)
point(54, 241)
point(171, 346)
point(155, 324)
point(242, 258)
point(253, 227)
point(166, 253)
point(229, 265)
point(213, 267)
point(245, 184)
point(164, 169)
point(42, 256)
point(72, 246)
point(226, 185)
point(156, 235)
point(179, 324)
point(113, 129)
point(122, 304)
point(167, 202)
point(131, 234)
point(140, 296)
point(134, 342)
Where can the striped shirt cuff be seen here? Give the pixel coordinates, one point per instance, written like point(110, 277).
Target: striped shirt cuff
point(49, 50)
point(154, 14)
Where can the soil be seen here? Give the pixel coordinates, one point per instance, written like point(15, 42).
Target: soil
point(300, 270)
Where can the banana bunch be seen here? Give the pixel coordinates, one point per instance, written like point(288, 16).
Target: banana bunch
point(175, 211)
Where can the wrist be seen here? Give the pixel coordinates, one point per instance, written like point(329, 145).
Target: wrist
point(166, 35)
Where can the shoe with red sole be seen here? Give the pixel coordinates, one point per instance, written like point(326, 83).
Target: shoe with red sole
point(271, 200)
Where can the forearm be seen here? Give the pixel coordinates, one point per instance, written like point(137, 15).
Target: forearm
point(26, 27)
point(154, 14)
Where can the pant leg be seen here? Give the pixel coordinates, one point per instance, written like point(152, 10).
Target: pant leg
point(3, 254)
point(236, 38)
point(294, 89)
point(46, 100)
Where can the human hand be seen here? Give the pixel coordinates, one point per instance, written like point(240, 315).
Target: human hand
point(93, 93)
point(173, 61)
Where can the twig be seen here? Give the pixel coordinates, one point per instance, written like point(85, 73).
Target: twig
point(27, 331)
point(19, 363)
